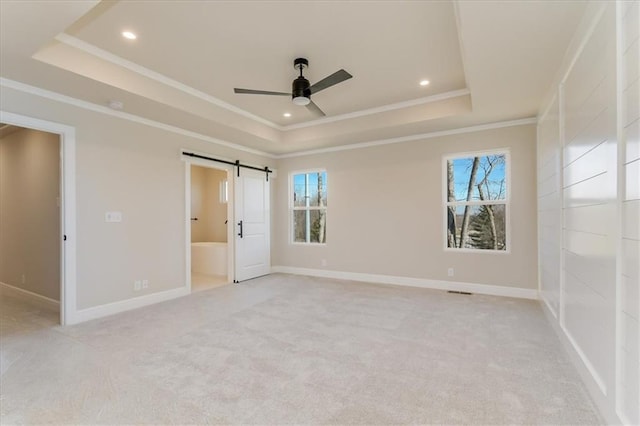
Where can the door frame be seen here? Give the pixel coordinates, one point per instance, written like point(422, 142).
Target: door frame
point(192, 161)
point(67, 193)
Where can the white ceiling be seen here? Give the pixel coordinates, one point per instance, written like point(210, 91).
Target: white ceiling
point(190, 55)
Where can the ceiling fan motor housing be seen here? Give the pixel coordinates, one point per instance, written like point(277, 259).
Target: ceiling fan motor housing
point(300, 92)
point(300, 88)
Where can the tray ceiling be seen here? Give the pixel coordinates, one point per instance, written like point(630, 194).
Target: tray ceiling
point(188, 57)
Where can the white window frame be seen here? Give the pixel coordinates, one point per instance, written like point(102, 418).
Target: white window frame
point(506, 202)
point(307, 207)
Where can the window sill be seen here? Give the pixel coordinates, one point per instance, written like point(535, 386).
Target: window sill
point(476, 251)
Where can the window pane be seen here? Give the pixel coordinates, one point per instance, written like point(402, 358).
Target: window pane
point(299, 190)
point(318, 222)
point(485, 225)
point(318, 189)
point(310, 201)
point(300, 226)
point(486, 174)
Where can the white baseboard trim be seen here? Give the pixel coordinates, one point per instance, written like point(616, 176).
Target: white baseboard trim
point(43, 301)
point(585, 360)
point(546, 302)
point(126, 305)
point(493, 290)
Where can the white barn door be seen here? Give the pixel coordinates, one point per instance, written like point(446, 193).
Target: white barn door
point(252, 224)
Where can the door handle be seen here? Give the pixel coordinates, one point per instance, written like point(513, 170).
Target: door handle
point(240, 224)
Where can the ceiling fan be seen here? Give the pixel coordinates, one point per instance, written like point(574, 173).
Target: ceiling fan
point(301, 89)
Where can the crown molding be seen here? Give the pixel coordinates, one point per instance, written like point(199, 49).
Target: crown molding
point(411, 138)
point(384, 108)
point(542, 117)
point(153, 75)
point(160, 78)
point(22, 87)
point(43, 93)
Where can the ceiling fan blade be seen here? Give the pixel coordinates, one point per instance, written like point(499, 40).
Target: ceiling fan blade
point(315, 109)
point(333, 79)
point(259, 92)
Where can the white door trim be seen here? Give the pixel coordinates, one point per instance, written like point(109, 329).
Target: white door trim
point(192, 161)
point(68, 265)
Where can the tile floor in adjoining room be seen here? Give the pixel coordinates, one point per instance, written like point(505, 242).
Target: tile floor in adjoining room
point(287, 349)
point(201, 282)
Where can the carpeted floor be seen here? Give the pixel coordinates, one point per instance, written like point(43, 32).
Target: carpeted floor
point(285, 349)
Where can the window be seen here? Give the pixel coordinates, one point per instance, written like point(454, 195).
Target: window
point(476, 201)
point(309, 207)
point(224, 191)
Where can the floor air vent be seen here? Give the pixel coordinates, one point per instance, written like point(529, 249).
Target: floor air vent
point(459, 292)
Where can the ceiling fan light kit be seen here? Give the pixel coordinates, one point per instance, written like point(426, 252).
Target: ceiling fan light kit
point(301, 100)
point(301, 89)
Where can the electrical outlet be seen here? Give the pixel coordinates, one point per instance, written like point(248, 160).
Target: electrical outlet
point(137, 285)
point(24, 278)
point(450, 272)
point(323, 262)
point(145, 284)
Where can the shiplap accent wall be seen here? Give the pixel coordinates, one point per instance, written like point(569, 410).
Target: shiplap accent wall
point(629, 93)
point(588, 94)
point(588, 206)
point(549, 207)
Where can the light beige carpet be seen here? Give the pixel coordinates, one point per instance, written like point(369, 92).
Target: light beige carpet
point(293, 350)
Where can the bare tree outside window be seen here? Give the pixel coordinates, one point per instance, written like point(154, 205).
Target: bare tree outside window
point(476, 204)
point(309, 207)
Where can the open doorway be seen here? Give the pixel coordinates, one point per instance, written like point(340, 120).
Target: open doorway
point(30, 223)
point(65, 204)
point(209, 227)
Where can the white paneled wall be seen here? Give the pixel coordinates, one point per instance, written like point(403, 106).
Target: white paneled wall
point(589, 171)
point(589, 206)
point(629, 94)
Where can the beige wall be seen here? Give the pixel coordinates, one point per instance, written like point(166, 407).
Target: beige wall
point(206, 205)
point(29, 212)
point(395, 189)
point(385, 211)
point(137, 170)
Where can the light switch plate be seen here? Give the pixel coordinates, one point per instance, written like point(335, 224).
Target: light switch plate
point(113, 217)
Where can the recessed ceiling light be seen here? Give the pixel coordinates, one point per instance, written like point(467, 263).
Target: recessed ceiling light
point(424, 83)
point(287, 114)
point(129, 35)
